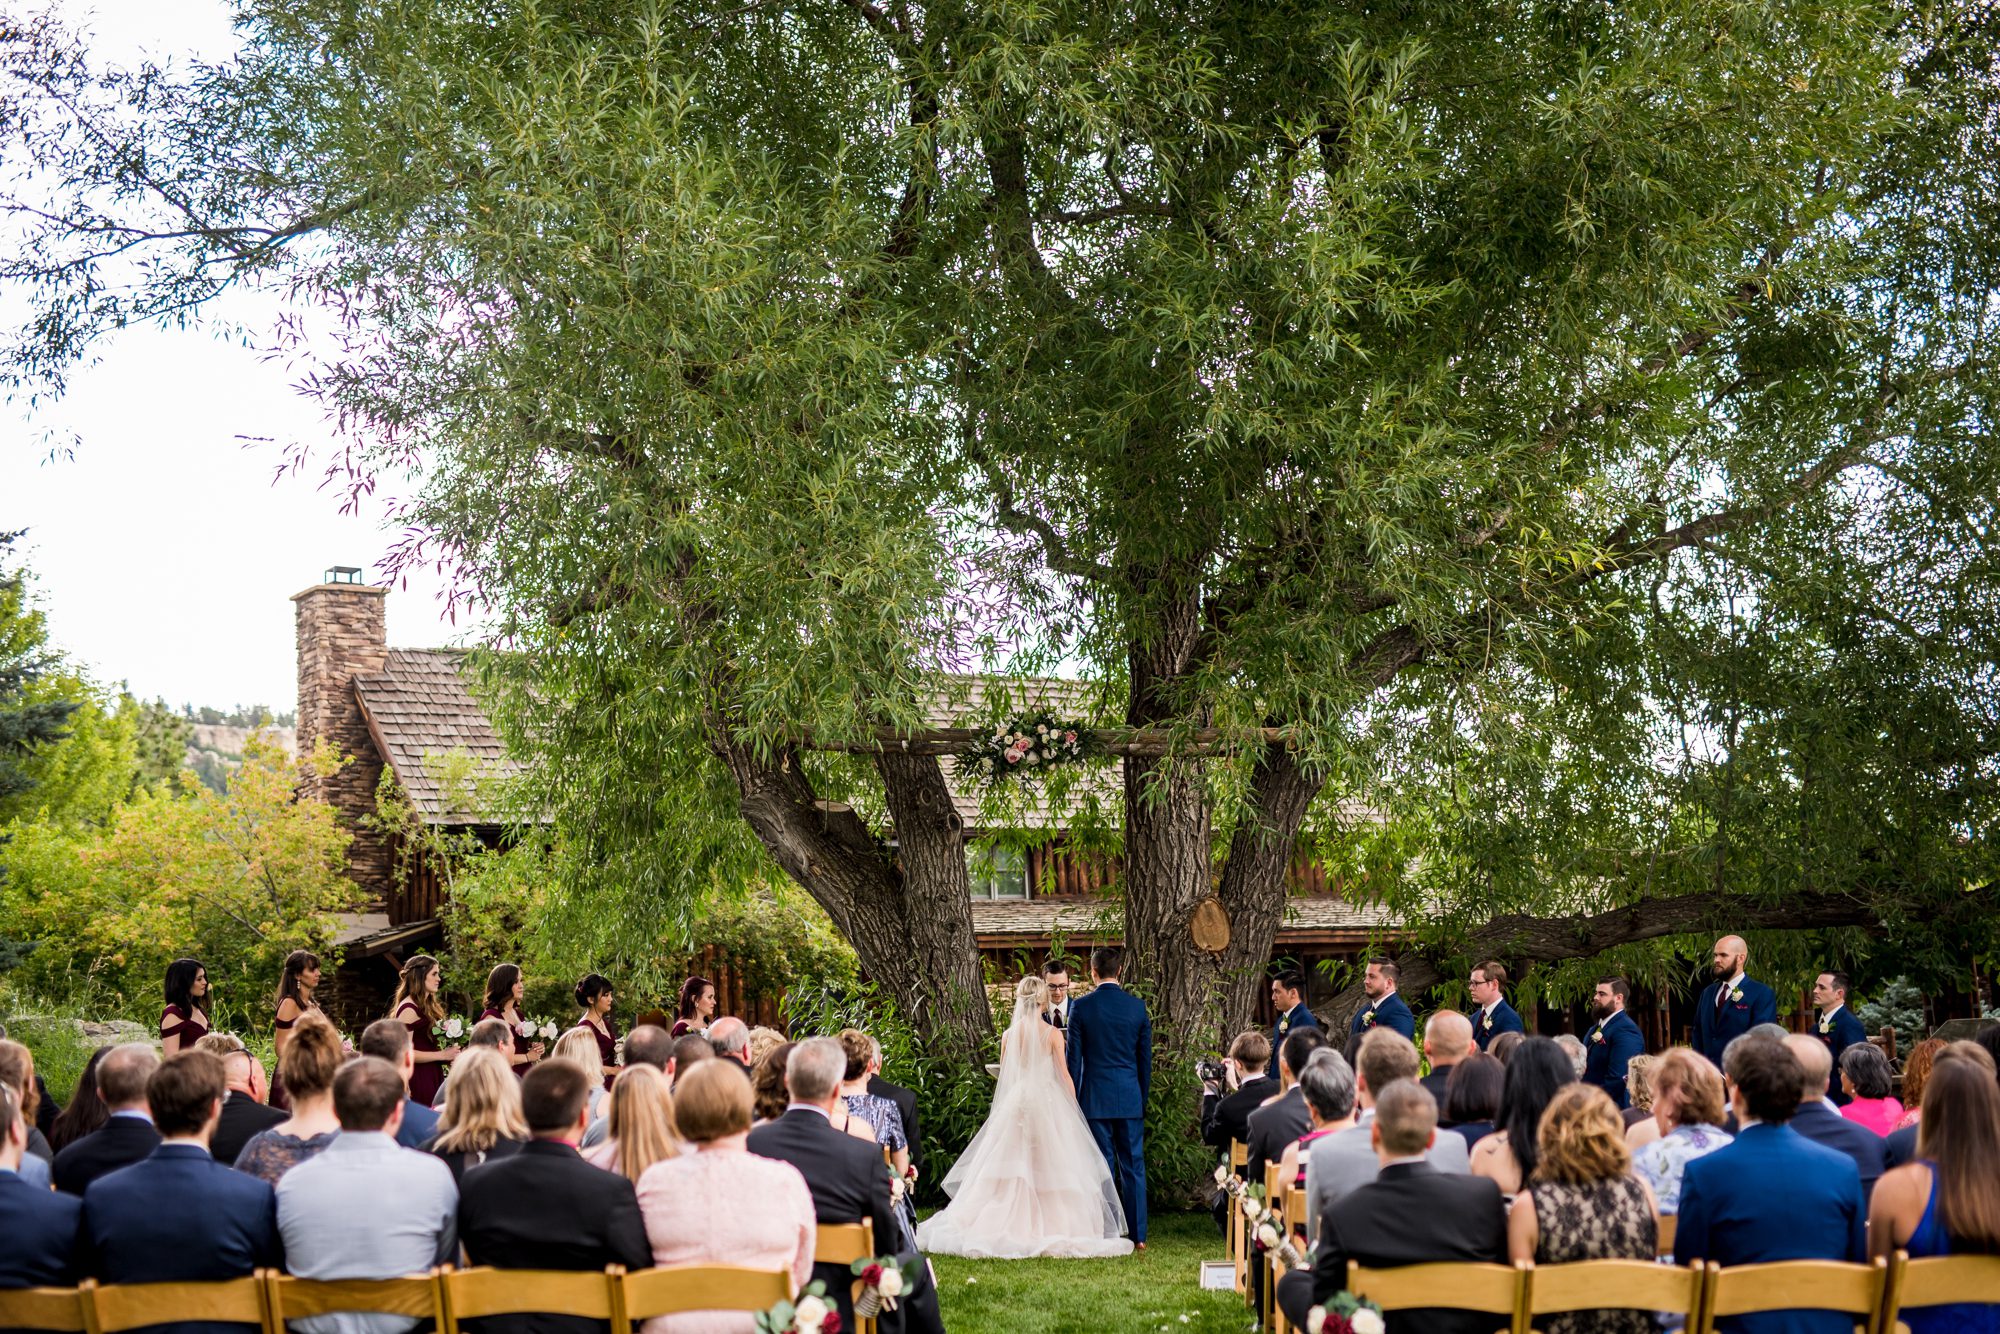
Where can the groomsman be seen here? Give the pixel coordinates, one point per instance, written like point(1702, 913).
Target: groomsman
point(1612, 1041)
point(1288, 998)
point(1385, 1009)
point(1733, 1004)
point(1494, 1015)
point(1839, 1028)
point(1056, 974)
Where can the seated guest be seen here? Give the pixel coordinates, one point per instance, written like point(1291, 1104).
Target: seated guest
point(1347, 1161)
point(641, 1123)
point(389, 1040)
point(768, 1098)
point(1947, 1203)
point(571, 1046)
point(1472, 1096)
point(366, 1207)
point(764, 1041)
point(1503, 1046)
point(17, 1071)
point(723, 1204)
point(1688, 1108)
point(545, 1207)
point(1410, 1214)
point(482, 1112)
point(1901, 1147)
point(1819, 1122)
point(494, 1033)
point(690, 1049)
point(904, 1099)
point(1537, 1071)
point(86, 1110)
point(1868, 1084)
point(127, 1134)
point(40, 1225)
point(882, 1115)
point(243, 1111)
point(178, 1216)
point(1283, 1120)
point(312, 1058)
point(1916, 1069)
point(1583, 1203)
point(847, 1178)
point(730, 1037)
point(1639, 1084)
point(1572, 1047)
point(1329, 1086)
point(1226, 1106)
point(646, 1044)
point(1447, 1041)
point(1772, 1194)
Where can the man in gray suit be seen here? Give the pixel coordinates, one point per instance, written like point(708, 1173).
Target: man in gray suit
point(1341, 1163)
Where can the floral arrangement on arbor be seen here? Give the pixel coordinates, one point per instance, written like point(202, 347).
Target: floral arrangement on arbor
point(1027, 748)
point(883, 1280)
point(808, 1313)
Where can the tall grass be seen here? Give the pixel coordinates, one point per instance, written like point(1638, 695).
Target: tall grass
point(49, 1029)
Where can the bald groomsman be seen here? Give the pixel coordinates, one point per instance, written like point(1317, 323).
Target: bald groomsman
point(1733, 1004)
point(1494, 1015)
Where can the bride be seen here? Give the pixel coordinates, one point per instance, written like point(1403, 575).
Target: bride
point(1032, 1182)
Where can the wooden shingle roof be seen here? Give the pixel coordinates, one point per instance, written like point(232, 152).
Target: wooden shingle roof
point(429, 729)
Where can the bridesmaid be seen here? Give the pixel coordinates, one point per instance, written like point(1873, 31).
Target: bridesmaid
point(697, 1007)
point(185, 1021)
point(503, 1002)
point(417, 1008)
point(295, 999)
point(593, 997)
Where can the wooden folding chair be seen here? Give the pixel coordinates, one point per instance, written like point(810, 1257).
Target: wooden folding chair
point(1267, 1292)
point(59, 1309)
point(1668, 1228)
point(1615, 1285)
point(1500, 1290)
point(843, 1244)
point(1795, 1285)
point(1239, 1254)
point(1936, 1281)
point(290, 1298)
point(652, 1292)
point(469, 1294)
point(111, 1308)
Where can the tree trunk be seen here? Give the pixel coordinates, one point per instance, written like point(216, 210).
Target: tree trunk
point(910, 923)
point(1257, 878)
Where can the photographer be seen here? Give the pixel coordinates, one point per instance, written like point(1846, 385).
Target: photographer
point(1239, 1088)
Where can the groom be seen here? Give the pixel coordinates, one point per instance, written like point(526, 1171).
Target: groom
point(1111, 1063)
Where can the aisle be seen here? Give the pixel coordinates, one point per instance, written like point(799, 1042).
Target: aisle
point(1135, 1295)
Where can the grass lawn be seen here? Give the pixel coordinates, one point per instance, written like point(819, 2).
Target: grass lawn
point(1158, 1290)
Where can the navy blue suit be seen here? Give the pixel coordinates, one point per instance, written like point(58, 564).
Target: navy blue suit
point(1111, 1062)
point(1504, 1019)
point(1868, 1149)
point(419, 1126)
point(1773, 1194)
point(1714, 1028)
point(1389, 1012)
point(180, 1216)
point(1608, 1049)
point(1846, 1030)
point(1296, 1017)
point(41, 1231)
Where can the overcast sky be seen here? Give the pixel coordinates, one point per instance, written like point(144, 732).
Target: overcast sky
point(163, 550)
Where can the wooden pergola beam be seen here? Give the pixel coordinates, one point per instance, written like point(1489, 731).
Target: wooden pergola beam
point(1118, 741)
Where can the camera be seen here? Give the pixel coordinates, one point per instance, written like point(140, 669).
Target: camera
point(1209, 1071)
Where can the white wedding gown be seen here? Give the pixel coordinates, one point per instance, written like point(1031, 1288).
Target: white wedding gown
point(1032, 1182)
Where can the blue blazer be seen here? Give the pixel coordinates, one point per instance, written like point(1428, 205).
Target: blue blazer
point(41, 1231)
point(1846, 1031)
point(1608, 1049)
point(1868, 1150)
point(1296, 1017)
point(1111, 1054)
point(180, 1216)
point(419, 1126)
point(1389, 1012)
point(1773, 1194)
point(1713, 1029)
point(1504, 1019)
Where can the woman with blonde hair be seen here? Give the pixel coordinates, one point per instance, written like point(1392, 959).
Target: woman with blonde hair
point(482, 1112)
point(642, 1125)
point(1688, 1109)
point(1583, 1203)
point(311, 1059)
point(764, 1041)
point(580, 1045)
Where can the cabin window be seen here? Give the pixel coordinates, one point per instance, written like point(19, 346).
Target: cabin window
point(997, 873)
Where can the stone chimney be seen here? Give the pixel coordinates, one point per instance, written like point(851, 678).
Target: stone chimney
point(342, 634)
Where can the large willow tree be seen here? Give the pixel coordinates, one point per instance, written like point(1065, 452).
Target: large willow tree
point(1299, 366)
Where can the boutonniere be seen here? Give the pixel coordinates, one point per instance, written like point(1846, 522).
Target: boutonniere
point(1826, 1025)
point(1284, 1025)
point(1736, 994)
point(1597, 1034)
point(1368, 1019)
point(1486, 1022)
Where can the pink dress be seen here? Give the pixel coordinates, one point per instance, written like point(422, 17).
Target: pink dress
point(1878, 1114)
point(726, 1206)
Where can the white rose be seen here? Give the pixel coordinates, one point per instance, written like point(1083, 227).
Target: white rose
point(1041, 729)
point(1250, 1209)
point(809, 1315)
point(453, 1027)
point(1366, 1321)
point(549, 1029)
point(1315, 1320)
point(892, 1283)
point(1221, 1176)
point(1268, 1237)
point(1032, 758)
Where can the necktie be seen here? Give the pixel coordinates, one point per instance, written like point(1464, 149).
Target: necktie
point(1056, 1016)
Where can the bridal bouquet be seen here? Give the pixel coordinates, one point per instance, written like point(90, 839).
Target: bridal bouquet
point(1345, 1314)
point(547, 1029)
point(808, 1314)
point(882, 1282)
